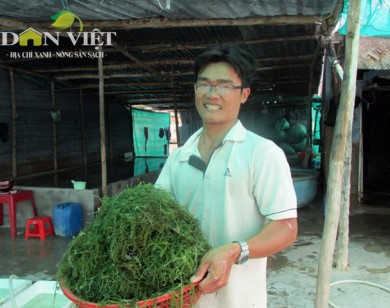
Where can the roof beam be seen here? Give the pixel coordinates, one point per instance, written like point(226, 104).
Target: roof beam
point(258, 82)
point(163, 22)
point(32, 73)
point(123, 51)
point(189, 73)
point(159, 63)
point(172, 46)
point(118, 66)
point(12, 24)
point(174, 23)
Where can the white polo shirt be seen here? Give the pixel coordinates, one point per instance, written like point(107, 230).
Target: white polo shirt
point(246, 182)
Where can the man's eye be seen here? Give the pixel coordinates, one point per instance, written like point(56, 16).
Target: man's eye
point(226, 86)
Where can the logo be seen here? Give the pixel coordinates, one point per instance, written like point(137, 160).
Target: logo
point(30, 35)
point(62, 20)
point(227, 173)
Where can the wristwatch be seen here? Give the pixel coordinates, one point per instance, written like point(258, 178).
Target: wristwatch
point(244, 255)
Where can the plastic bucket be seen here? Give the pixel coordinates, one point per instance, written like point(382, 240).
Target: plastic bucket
point(79, 185)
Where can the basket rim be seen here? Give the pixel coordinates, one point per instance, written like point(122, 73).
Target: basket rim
point(143, 303)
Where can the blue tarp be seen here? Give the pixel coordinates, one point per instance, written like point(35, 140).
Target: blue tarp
point(374, 18)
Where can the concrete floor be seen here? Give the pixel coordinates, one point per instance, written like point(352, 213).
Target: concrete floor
point(30, 259)
point(292, 274)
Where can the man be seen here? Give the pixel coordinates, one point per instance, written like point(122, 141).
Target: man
point(237, 184)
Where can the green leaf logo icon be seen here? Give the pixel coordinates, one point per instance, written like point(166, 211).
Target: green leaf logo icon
point(64, 20)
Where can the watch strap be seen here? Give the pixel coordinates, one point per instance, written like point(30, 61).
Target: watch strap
point(244, 255)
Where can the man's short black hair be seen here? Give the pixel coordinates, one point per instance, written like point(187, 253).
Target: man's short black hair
point(240, 59)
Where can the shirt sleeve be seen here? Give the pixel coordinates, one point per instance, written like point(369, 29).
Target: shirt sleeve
point(273, 185)
point(164, 180)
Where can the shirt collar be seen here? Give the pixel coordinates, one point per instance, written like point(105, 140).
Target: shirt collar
point(236, 133)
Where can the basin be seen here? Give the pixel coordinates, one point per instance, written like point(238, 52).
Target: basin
point(18, 285)
point(42, 294)
point(305, 185)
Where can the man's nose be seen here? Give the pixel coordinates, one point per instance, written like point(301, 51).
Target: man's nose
point(213, 90)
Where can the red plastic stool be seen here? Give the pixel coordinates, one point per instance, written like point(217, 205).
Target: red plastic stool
point(39, 226)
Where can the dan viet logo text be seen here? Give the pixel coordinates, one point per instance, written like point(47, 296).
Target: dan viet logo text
point(57, 54)
point(62, 20)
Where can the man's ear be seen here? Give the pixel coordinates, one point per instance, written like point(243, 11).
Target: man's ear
point(245, 94)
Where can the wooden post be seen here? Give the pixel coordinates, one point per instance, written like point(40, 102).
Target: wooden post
point(343, 238)
point(308, 151)
point(176, 116)
point(309, 133)
point(111, 146)
point(361, 146)
point(343, 122)
point(83, 134)
point(14, 118)
point(54, 130)
point(102, 124)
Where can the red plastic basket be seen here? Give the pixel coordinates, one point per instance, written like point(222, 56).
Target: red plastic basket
point(164, 301)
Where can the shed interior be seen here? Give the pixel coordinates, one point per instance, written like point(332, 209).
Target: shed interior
point(53, 87)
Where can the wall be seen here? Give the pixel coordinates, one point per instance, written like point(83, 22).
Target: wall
point(45, 200)
point(264, 122)
point(364, 78)
point(47, 197)
point(260, 119)
point(374, 122)
point(118, 186)
point(35, 130)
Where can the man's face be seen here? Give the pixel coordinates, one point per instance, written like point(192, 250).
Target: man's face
point(213, 107)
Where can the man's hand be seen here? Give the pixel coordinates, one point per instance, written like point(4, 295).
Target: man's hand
point(214, 269)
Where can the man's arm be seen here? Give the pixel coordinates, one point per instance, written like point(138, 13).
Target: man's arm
point(214, 270)
point(274, 237)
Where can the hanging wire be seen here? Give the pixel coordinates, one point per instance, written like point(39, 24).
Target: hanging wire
point(65, 4)
point(167, 4)
point(158, 1)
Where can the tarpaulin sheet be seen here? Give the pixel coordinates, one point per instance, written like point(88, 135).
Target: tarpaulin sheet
point(150, 132)
point(374, 18)
point(144, 165)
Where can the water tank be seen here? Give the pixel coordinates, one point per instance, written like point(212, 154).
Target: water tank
point(67, 219)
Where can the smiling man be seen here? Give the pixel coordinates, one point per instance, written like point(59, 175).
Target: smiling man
point(236, 183)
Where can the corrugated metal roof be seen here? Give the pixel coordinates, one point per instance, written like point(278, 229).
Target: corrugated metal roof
point(155, 43)
point(29, 11)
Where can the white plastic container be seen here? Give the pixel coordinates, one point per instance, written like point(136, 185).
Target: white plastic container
point(18, 285)
point(42, 294)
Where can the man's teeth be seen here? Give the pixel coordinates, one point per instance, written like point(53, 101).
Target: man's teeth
point(212, 107)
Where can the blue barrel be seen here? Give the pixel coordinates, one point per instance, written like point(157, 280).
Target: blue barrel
point(67, 219)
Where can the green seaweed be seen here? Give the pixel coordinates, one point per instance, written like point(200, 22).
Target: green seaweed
point(141, 245)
